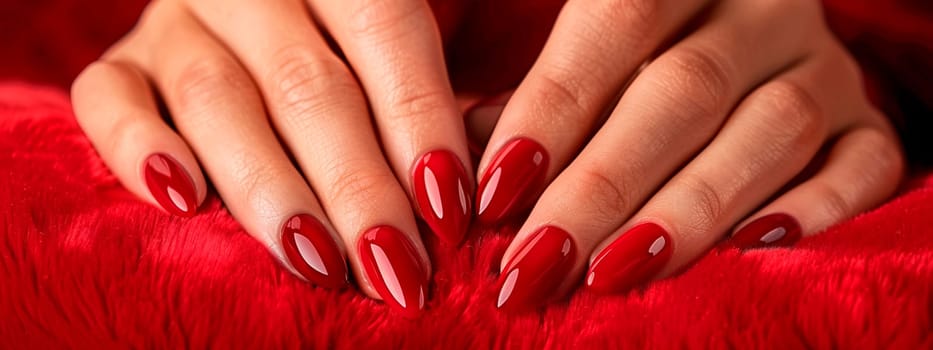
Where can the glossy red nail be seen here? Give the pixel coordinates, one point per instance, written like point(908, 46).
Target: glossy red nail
point(439, 183)
point(768, 231)
point(536, 270)
point(313, 252)
point(170, 185)
point(632, 259)
point(513, 180)
point(393, 266)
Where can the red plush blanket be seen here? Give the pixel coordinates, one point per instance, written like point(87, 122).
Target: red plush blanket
point(85, 264)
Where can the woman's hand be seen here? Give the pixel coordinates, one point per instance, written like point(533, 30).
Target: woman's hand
point(263, 102)
point(749, 121)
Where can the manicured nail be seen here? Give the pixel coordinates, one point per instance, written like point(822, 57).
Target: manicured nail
point(768, 231)
point(631, 260)
point(513, 180)
point(313, 252)
point(536, 270)
point(393, 266)
point(440, 182)
point(170, 185)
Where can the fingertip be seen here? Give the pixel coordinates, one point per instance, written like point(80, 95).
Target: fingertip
point(170, 185)
point(772, 230)
point(392, 264)
point(442, 193)
point(313, 252)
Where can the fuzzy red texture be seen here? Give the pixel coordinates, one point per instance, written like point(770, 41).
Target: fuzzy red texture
point(84, 264)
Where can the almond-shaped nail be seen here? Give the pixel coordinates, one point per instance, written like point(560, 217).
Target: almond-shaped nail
point(631, 260)
point(312, 251)
point(772, 230)
point(513, 180)
point(393, 266)
point(171, 185)
point(541, 264)
point(442, 194)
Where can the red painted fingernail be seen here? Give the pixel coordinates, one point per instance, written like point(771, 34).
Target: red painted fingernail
point(514, 179)
point(440, 190)
point(171, 186)
point(632, 259)
point(313, 251)
point(392, 264)
point(768, 231)
point(539, 267)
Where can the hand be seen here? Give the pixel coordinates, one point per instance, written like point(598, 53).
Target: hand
point(749, 120)
point(280, 122)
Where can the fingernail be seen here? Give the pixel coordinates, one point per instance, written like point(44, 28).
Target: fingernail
point(313, 252)
point(768, 231)
point(513, 180)
point(170, 185)
point(632, 259)
point(536, 270)
point(392, 264)
point(440, 190)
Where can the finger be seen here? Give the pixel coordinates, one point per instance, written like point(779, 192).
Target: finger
point(669, 112)
point(863, 168)
point(215, 105)
point(320, 113)
point(114, 106)
point(594, 48)
point(481, 118)
point(770, 138)
point(395, 49)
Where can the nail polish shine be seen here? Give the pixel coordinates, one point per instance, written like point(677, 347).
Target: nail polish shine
point(772, 230)
point(170, 185)
point(536, 270)
point(631, 260)
point(513, 180)
point(392, 265)
point(440, 186)
point(312, 251)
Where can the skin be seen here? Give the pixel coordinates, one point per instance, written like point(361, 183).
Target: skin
point(736, 103)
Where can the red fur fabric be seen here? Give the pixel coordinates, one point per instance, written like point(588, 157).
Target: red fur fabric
point(84, 264)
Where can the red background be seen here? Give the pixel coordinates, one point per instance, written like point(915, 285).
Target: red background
point(85, 264)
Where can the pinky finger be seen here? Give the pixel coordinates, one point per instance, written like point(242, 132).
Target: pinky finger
point(114, 106)
point(863, 168)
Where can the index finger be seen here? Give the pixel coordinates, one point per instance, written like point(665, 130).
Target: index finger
point(394, 47)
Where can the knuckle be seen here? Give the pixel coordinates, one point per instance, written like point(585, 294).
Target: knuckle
point(307, 82)
point(90, 75)
point(205, 83)
point(414, 101)
point(835, 204)
point(640, 18)
point(707, 199)
point(559, 97)
point(372, 18)
point(359, 182)
point(791, 113)
point(157, 18)
point(698, 80)
point(889, 154)
point(879, 149)
point(641, 14)
point(610, 198)
point(255, 176)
